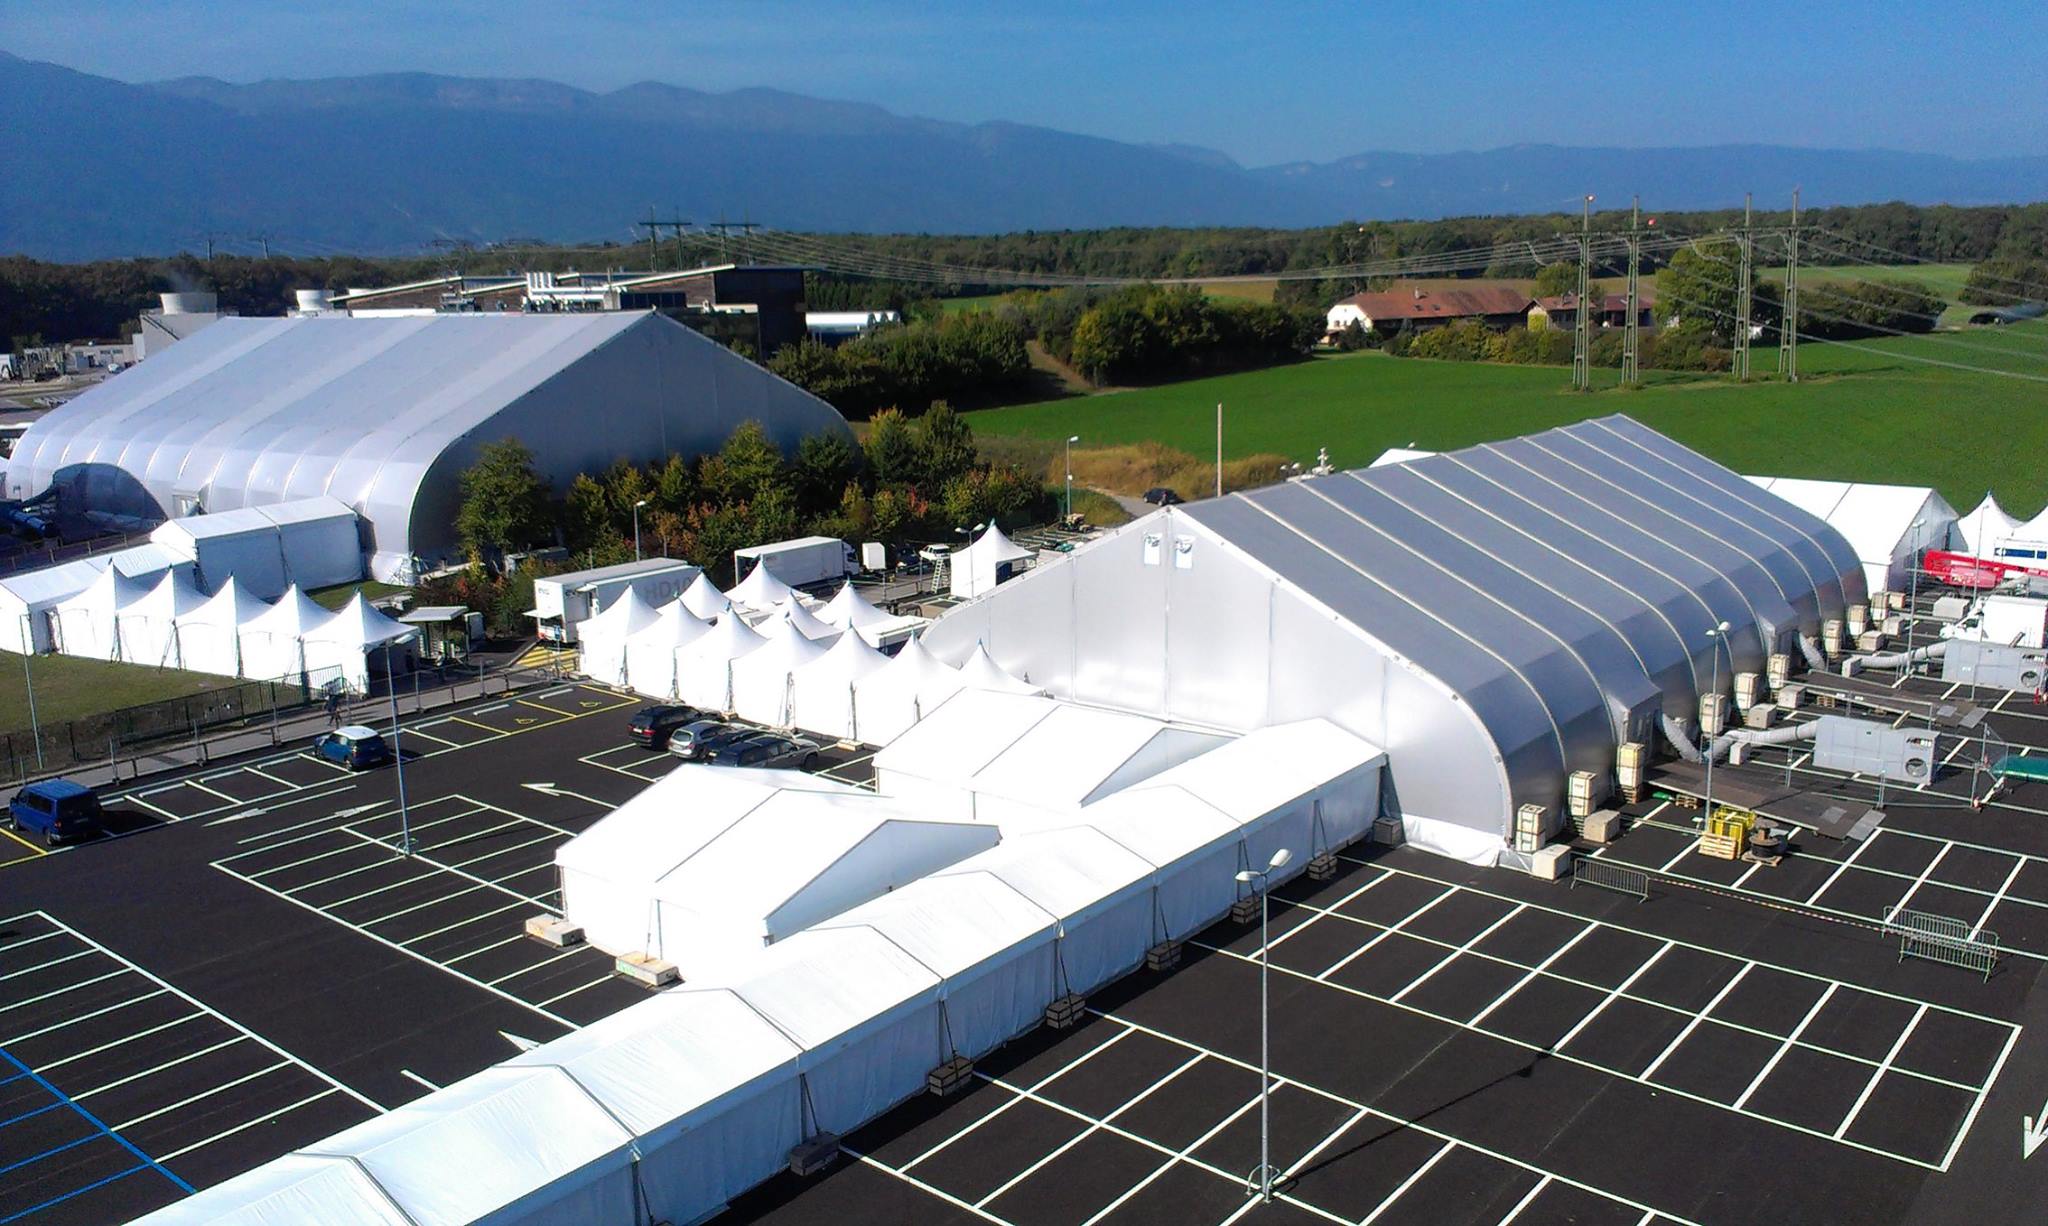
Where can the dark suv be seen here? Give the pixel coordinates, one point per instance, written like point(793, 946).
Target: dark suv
point(653, 726)
point(696, 742)
point(768, 750)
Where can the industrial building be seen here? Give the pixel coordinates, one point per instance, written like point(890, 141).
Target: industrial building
point(384, 414)
point(1496, 618)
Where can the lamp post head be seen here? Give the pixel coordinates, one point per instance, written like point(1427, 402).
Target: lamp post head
point(1279, 860)
point(1249, 875)
point(1074, 438)
point(639, 504)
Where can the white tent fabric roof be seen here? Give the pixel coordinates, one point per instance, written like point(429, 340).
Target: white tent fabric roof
point(601, 638)
point(822, 987)
point(1886, 525)
point(761, 678)
point(295, 1190)
point(1985, 527)
point(86, 621)
point(983, 673)
point(891, 699)
point(1070, 872)
point(760, 590)
point(822, 691)
point(359, 624)
point(149, 624)
point(673, 817)
point(704, 666)
point(806, 622)
point(232, 605)
point(977, 567)
point(651, 651)
point(295, 615)
point(146, 561)
point(704, 598)
point(951, 924)
point(849, 610)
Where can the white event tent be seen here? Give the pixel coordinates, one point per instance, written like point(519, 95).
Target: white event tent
point(1986, 527)
point(806, 622)
point(891, 699)
point(650, 658)
point(704, 599)
point(209, 637)
point(601, 640)
point(761, 678)
point(760, 591)
point(347, 643)
point(149, 625)
point(273, 642)
point(85, 623)
point(821, 693)
point(1888, 526)
point(704, 666)
point(981, 672)
point(27, 598)
point(987, 562)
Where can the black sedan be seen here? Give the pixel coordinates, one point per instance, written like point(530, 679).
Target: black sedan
point(652, 726)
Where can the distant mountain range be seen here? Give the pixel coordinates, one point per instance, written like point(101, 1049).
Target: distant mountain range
point(95, 167)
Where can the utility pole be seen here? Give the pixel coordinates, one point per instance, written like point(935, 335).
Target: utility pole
point(653, 226)
point(1582, 334)
point(1631, 366)
point(725, 229)
point(1219, 449)
point(1788, 328)
point(1744, 243)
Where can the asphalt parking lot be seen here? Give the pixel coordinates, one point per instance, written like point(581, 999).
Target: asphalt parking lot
point(251, 964)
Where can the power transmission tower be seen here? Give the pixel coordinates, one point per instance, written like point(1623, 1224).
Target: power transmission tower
point(1745, 244)
point(1788, 327)
point(725, 229)
point(653, 226)
point(1582, 333)
point(1631, 372)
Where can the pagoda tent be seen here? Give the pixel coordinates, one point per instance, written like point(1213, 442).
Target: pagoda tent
point(983, 673)
point(86, 624)
point(210, 636)
point(273, 642)
point(651, 652)
point(761, 679)
point(601, 641)
point(892, 698)
point(821, 693)
point(1986, 527)
point(704, 667)
point(807, 623)
point(704, 598)
point(989, 561)
point(346, 644)
point(149, 625)
point(760, 590)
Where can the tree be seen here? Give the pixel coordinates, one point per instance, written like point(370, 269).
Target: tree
point(586, 518)
point(891, 451)
point(675, 484)
point(504, 502)
point(824, 464)
point(1556, 280)
point(1699, 286)
point(748, 465)
point(945, 445)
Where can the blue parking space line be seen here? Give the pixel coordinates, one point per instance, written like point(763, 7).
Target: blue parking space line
point(49, 1153)
point(95, 1121)
point(29, 1115)
point(97, 1183)
point(15, 1077)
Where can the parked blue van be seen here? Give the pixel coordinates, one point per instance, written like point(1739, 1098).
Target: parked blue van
point(57, 809)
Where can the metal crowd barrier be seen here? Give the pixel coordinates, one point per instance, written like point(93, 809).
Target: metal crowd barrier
point(1940, 938)
point(1608, 875)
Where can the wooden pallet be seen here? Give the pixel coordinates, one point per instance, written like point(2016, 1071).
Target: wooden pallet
point(1719, 846)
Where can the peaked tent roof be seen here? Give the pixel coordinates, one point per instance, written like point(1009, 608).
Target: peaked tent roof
point(109, 591)
point(704, 598)
point(982, 673)
point(232, 605)
point(760, 589)
point(1986, 526)
point(673, 626)
point(849, 610)
point(295, 615)
point(619, 620)
point(360, 624)
point(847, 660)
point(172, 597)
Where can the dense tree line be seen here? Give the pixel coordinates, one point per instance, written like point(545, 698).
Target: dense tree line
point(1687, 347)
point(968, 356)
point(1145, 333)
point(73, 301)
point(912, 478)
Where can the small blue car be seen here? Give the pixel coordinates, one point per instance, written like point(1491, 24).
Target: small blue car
point(57, 809)
point(353, 746)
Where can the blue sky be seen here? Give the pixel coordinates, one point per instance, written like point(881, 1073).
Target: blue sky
point(1261, 82)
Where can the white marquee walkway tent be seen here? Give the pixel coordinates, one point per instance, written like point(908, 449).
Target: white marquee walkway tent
point(981, 672)
point(209, 637)
point(760, 590)
point(761, 679)
point(1016, 758)
point(273, 642)
point(704, 599)
point(704, 667)
point(806, 622)
point(891, 699)
point(601, 640)
point(345, 644)
point(849, 610)
point(27, 598)
point(149, 625)
point(1986, 527)
point(1889, 526)
point(610, 870)
point(651, 651)
point(821, 692)
point(85, 623)
point(991, 947)
point(987, 562)
point(708, 1086)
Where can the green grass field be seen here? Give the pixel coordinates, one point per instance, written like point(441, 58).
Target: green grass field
point(68, 687)
point(1895, 410)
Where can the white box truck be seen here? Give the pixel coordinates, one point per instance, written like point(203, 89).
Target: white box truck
point(804, 561)
point(2012, 620)
point(561, 601)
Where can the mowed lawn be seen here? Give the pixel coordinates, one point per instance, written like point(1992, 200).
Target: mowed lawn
point(1895, 410)
point(67, 687)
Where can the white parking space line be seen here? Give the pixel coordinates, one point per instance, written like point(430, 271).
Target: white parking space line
point(1843, 867)
point(230, 1041)
point(1453, 956)
point(1085, 1133)
point(244, 1127)
point(1787, 1045)
point(1534, 972)
point(1884, 1066)
point(1694, 1024)
point(1408, 1183)
point(1524, 1203)
point(1921, 880)
point(1335, 906)
point(27, 940)
point(1040, 1084)
point(126, 1038)
point(562, 996)
point(57, 961)
point(1616, 994)
point(76, 1018)
point(1405, 920)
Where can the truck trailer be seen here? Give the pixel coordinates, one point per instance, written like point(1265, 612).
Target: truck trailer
point(2015, 621)
point(801, 562)
point(560, 602)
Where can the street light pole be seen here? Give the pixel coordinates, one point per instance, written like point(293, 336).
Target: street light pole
point(1719, 635)
point(1071, 440)
point(1262, 1178)
point(28, 646)
point(636, 528)
point(397, 756)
